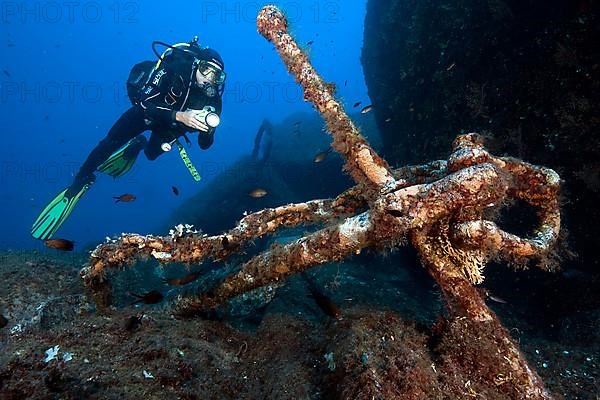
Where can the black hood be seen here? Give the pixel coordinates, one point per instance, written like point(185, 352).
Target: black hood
point(212, 56)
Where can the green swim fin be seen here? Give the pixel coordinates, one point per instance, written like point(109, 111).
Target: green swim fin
point(55, 213)
point(118, 164)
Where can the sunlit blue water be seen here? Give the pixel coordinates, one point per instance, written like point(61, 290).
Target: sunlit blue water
point(63, 86)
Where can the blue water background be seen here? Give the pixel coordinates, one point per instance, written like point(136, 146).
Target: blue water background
point(68, 65)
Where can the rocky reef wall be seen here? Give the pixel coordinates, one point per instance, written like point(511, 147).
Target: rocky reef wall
point(524, 73)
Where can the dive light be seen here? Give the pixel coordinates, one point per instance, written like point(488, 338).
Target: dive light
point(207, 115)
point(212, 119)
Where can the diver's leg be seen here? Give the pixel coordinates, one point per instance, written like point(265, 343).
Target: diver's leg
point(153, 149)
point(129, 125)
point(121, 161)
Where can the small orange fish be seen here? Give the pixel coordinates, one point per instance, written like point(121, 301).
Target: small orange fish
point(257, 193)
point(60, 244)
point(184, 280)
point(322, 155)
point(125, 198)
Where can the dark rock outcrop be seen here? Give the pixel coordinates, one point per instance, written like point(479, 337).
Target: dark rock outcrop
point(526, 73)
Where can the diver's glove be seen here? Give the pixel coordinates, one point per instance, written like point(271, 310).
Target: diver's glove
point(209, 118)
point(191, 119)
point(204, 120)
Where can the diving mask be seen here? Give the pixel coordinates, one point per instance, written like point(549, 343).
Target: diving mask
point(212, 72)
point(215, 77)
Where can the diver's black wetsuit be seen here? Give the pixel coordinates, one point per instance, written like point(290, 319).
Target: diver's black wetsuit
point(170, 89)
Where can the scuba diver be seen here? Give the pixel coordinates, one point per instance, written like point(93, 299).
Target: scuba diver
point(178, 94)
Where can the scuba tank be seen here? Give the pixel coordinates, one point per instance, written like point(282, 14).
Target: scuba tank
point(140, 74)
point(138, 77)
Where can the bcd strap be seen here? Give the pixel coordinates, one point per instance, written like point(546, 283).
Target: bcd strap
point(188, 162)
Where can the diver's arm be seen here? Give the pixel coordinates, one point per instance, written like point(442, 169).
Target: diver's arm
point(159, 114)
point(166, 116)
point(206, 138)
point(159, 102)
point(191, 119)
